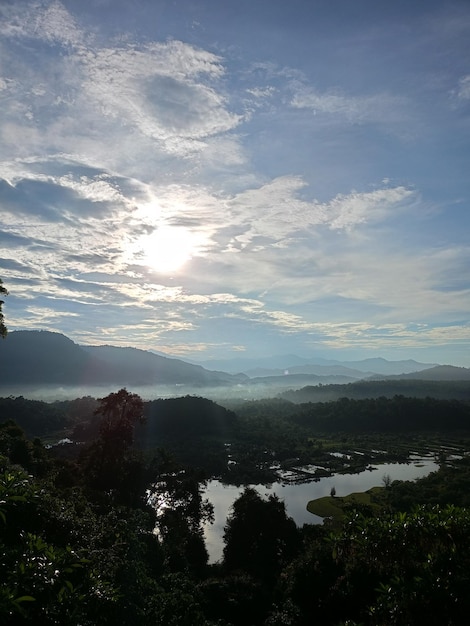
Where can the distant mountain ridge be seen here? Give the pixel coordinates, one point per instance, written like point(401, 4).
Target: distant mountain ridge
point(389, 387)
point(143, 367)
point(292, 364)
point(310, 370)
point(40, 357)
point(48, 358)
point(439, 372)
point(44, 357)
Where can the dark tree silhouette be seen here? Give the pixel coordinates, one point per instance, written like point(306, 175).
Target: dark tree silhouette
point(259, 537)
point(120, 412)
point(3, 328)
point(111, 464)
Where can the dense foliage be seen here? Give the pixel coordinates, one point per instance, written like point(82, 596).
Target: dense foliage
point(398, 414)
point(108, 532)
point(388, 388)
point(36, 418)
point(3, 328)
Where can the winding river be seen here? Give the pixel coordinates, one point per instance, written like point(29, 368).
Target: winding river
point(296, 496)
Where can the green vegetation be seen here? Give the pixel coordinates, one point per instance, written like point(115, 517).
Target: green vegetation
point(76, 535)
point(3, 328)
point(371, 389)
point(110, 530)
point(251, 442)
point(38, 419)
point(336, 507)
point(398, 414)
point(418, 561)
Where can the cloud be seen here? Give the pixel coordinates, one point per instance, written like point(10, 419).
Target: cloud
point(164, 97)
point(49, 201)
point(262, 93)
point(383, 337)
point(382, 108)
point(265, 175)
point(12, 264)
point(276, 211)
point(270, 240)
point(14, 240)
point(47, 21)
point(159, 89)
point(348, 211)
point(463, 90)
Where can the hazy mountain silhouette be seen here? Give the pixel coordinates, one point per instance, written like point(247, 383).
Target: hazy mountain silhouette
point(278, 365)
point(311, 370)
point(48, 358)
point(378, 365)
point(287, 381)
point(440, 372)
point(385, 387)
point(244, 364)
point(142, 367)
point(43, 357)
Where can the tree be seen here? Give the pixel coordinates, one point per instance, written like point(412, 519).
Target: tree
point(120, 412)
point(311, 580)
point(259, 536)
point(111, 464)
point(3, 328)
point(387, 481)
point(181, 512)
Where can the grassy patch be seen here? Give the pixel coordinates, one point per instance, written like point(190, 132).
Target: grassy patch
point(330, 506)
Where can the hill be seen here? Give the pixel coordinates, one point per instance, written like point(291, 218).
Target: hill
point(48, 358)
point(142, 367)
point(278, 365)
point(440, 372)
point(321, 371)
point(445, 390)
point(42, 357)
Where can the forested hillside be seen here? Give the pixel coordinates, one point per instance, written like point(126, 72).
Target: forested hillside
point(47, 358)
point(365, 389)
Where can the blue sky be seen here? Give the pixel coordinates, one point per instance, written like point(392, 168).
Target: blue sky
point(212, 179)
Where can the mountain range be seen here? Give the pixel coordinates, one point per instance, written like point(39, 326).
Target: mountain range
point(49, 358)
point(293, 364)
point(43, 357)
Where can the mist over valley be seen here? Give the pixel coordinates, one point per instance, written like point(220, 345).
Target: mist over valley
point(49, 366)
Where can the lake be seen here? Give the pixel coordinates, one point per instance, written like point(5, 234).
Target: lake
point(296, 496)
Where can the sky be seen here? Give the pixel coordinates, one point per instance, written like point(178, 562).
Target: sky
point(211, 179)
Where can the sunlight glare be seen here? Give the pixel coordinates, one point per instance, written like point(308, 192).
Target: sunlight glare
point(167, 249)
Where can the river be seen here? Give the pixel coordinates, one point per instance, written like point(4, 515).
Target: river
point(296, 496)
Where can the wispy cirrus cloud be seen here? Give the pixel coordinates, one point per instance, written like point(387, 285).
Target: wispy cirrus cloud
point(159, 89)
point(335, 106)
point(277, 210)
point(164, 95)
point(462, 92)
point(299, 206)
point(47, 21)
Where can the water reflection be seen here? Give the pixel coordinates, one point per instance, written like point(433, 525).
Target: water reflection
point(296, 496)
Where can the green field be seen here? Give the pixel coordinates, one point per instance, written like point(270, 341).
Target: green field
point(335, 506)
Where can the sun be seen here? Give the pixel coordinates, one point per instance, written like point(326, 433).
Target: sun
point(167, 249)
